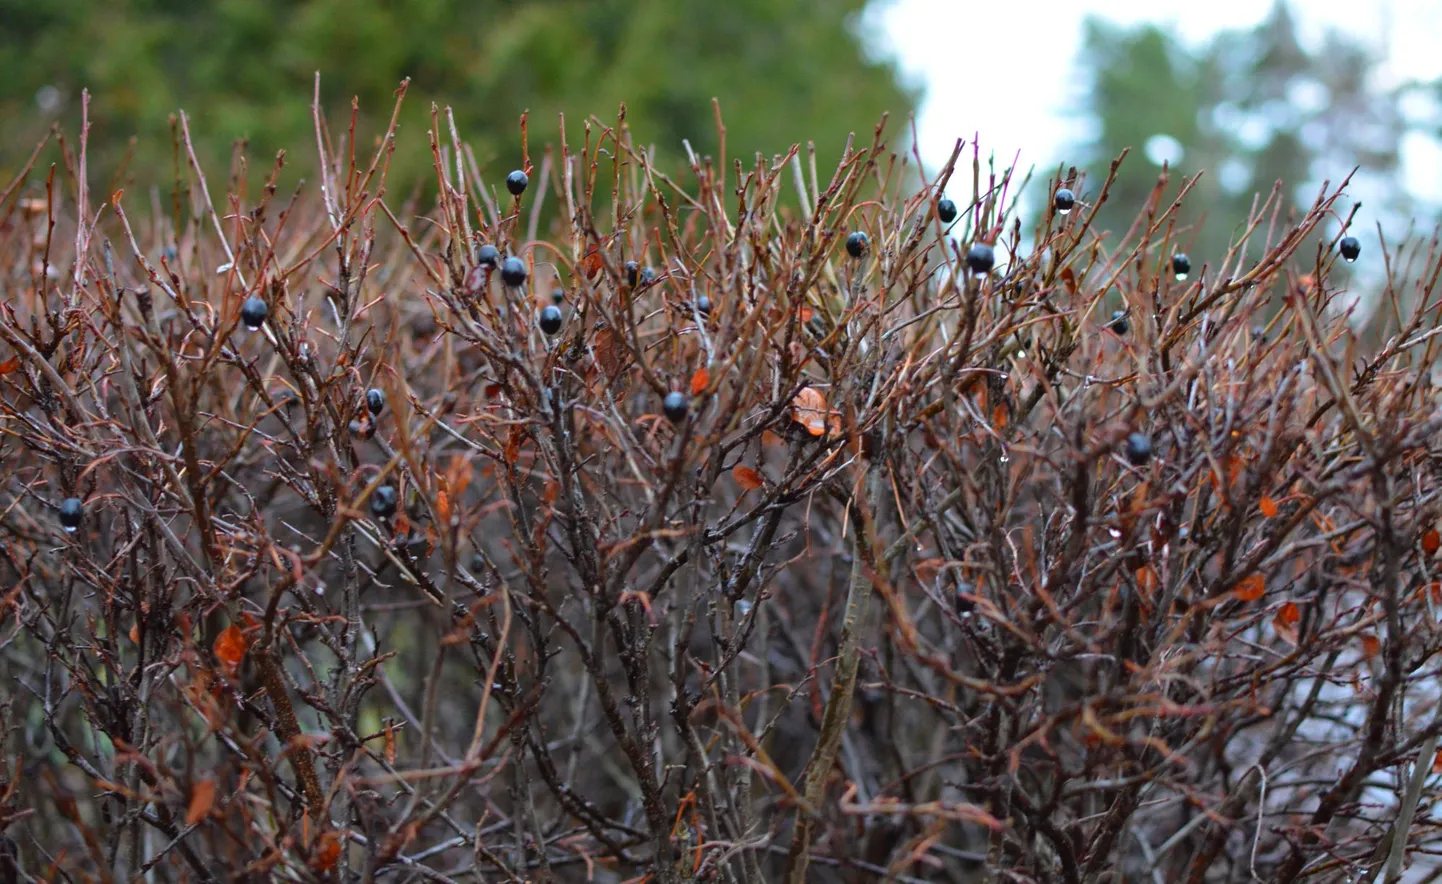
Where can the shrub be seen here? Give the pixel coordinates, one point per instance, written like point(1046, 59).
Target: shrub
point(773, 563)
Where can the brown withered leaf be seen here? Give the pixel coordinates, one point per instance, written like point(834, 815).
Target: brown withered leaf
point(1252, 587)
point(9, 365)
point(202, 798)
point(746, 477)
point(230, 648)
point(809, 409)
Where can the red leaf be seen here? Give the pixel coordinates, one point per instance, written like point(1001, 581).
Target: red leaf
point(1431, 541)
point(202, 798)
point(1251, 588)
point(747, 478)
point(700, 381)
point(9, 365)
point(327, 851)
point(230, 649)
point(1370, 646)
point(1269, 507)
point(1285, 623)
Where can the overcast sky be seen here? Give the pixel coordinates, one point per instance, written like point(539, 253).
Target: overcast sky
point(968, 57)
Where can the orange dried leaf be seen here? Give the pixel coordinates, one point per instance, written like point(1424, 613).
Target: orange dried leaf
point(770, 438)
point(135, 633)
point(1437, 762)
point(607, 346)
point(9, 365)
point(202, 798)
point(809, 409)
point(1285, 623)
point(1268, 507)
point(746, 477)
point(390, 749)
point(327, 851)
point(998, 416)
point(592, 263)
point(443, 507)
point(1289, 614)
point(1251, 588)
point(230, 649)
point(1068, 278)
point(1431, 541)
point(1370, 646)
point(700, 381)
point(806, 314)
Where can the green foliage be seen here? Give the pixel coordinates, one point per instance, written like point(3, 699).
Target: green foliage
point(1249, 107)
point(785, 71)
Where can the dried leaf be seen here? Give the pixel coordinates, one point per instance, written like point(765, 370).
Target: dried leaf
point(1431, 541)
point(1285, 623)
point(135, 633)
point(609, 353)
point(1437, 762)
point(806, 314)
point(592, 263)
point(998, 416)
point(9, 365)
point(513, 445)
point(202, 798)
point(443, 507)
point(1268, 507)
point(700, 381)
point(390, 750)
point(746, 477)
point(327, 851)
point(809, 409)
point(1251, 588)
point(230, 649)
point(1068, 278)
point(1370, 646)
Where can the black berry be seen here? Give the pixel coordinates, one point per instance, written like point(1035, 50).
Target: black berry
point(383, 502)
point(980, 258)
point(1119, 322)
point(1138, 449)
point(558, 296)
point(1350, 248)
point(1064, 201)
point(648, 275)
point(964, 604)
point(946, 211)
point(703, 305)
point(488, 256)
point(1181, 265)
point(516, 182)
point(550, 319)
point(253, 312)
point(633, 273)
point(71, 512)
point(675, 406)
point(857, 244)
point(513, 272)
point(375, 400)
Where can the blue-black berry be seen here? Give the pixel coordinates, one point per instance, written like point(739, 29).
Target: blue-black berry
point(1181, 265)
point(1119, 322)
point(980, 258)
point(71, 512)
point(703, 305)
point(857, 244)
point(648, 275)
point(633, 273)
point(516, 182)
point(558, 296)
point(1138, 449)
point(1350, 248)
point(675, 405)
point(946, 211)
point(375, 400)
point(550, 321)
point(513, 272)
point(488, 256)
point(383, 502)
point(253, 312)
point(1064, 201)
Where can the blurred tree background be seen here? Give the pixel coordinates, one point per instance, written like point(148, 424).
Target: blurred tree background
point(1250, 107)
point(785, 71)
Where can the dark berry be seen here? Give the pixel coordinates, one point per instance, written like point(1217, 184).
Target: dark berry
point(1119, 322)
point(253, 312)
point(558, 296)
point(964, 604)
point(1181, 265)
point(375, 400)
point(1064, 201)
point(550, 319)
point(703, 305)
point(946, 211)
point(71, 512)
point(648, 275)
point(633, 273)
point(1350, 248)
point(675, 406)
point(383, 502)
point(513, 272)
point(980, 258)
point(488, 256)
point(857, 244)
point(516, 182)
point(1138, 449)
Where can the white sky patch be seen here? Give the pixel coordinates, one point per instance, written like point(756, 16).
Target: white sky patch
point(979, 77)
